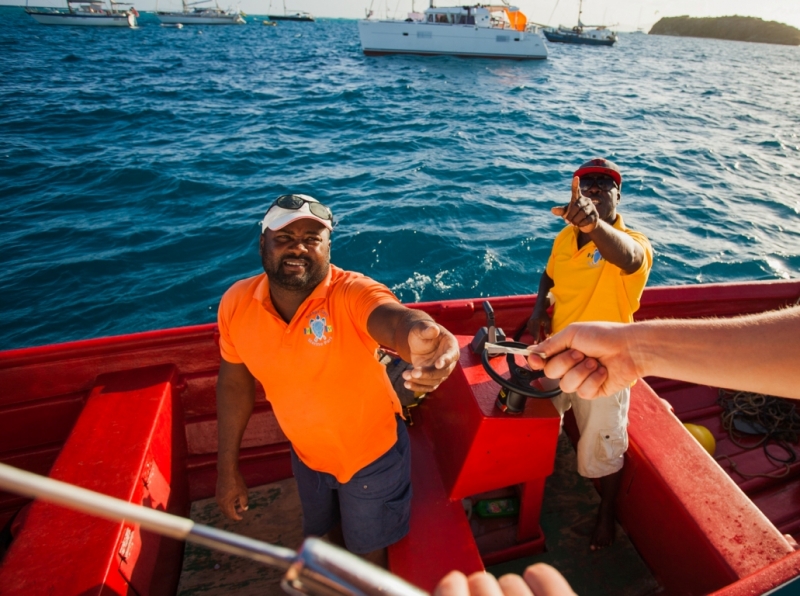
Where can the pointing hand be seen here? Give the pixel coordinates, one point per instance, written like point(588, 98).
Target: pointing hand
point(580, 211)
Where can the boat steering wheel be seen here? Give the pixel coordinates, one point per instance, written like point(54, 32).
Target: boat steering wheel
point(517, 388)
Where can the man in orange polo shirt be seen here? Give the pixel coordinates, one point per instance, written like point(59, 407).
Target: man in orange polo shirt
point(309, 332)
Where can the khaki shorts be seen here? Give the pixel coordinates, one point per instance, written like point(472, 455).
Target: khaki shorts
point(603, 424)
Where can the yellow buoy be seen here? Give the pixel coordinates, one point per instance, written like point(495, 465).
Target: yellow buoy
point(703, 436)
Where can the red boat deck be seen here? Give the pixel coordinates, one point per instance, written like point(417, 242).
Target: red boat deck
point(695, 528)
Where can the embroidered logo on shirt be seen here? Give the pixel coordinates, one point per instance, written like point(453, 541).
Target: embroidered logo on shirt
point(318, 329)
point(595, 258)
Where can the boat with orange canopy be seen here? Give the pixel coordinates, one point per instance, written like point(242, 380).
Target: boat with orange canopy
point(477, 31)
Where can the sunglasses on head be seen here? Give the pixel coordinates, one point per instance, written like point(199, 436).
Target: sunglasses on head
point(294, 202)
point(603, 182)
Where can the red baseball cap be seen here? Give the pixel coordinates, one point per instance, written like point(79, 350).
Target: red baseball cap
point(600, 166)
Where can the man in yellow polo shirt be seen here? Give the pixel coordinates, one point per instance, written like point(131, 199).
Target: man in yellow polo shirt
point(309, 332)
point(596, 272)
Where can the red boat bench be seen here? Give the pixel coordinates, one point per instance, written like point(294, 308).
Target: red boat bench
point(128, 443)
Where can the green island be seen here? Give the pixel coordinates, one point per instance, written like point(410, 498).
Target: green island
point(734, 28)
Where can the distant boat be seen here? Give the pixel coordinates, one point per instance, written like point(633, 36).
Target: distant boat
point(478, 31)
point(590, 35)
point(299, 15)
point(93, 13)
point(198, 15)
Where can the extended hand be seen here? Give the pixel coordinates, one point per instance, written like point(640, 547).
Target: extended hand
point(580, 211)
point(591, 359)
point(434, 354)
point(231, 494)
point(538, 580)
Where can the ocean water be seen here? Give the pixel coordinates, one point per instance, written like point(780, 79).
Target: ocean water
point(135, 165)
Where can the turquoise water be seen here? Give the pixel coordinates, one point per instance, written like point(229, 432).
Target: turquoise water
point(136, 164)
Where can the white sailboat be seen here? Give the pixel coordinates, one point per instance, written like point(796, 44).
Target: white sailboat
point(194, 14)
point(93, 13)
point(477, 31)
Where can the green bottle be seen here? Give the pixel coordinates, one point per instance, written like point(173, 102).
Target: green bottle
point(507, 507)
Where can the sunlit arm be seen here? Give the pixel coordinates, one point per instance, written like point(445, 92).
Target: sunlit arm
point(751, 353)
point(417, 339)
point(235, 397)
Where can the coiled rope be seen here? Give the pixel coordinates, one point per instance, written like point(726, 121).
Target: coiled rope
point(774, 420)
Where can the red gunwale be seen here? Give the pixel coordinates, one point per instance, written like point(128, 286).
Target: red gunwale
point(46, 389)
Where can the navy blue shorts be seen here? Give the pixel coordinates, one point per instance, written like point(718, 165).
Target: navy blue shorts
point(373, 507)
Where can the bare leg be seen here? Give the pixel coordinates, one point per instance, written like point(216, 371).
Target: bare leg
point(335, 536)
point(604, 529)
point(378, 557)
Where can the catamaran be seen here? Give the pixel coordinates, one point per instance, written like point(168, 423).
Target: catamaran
point(478, 31)
point(87, 12)
point(198, 15)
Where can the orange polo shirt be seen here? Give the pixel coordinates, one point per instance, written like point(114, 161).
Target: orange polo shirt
point(331, 396)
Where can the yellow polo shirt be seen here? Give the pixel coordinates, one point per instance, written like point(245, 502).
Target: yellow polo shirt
point(589, 288)
point(331, 396)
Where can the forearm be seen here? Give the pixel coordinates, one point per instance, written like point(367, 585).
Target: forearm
point(754, 353)
point(543, 297)
point(419, 340)
point(231, 427)
point(617, 247)
point(234, 407)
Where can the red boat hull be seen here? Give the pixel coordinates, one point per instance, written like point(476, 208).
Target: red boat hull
point(134, 416)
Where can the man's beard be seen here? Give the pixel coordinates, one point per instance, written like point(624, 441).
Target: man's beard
point(313, 276)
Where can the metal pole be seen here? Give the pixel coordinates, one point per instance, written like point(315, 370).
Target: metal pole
point(319, 568)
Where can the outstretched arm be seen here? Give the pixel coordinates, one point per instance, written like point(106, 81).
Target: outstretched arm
point(751, 353)
point(616, 247)
point(539, 322)
point(235, 397)
point(429, 347)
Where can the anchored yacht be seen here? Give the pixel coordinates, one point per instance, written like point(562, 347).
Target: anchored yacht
point(87, 12)
point(478, 31)
point(193, 14)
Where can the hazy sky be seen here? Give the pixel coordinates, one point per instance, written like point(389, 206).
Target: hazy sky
point(626, 15)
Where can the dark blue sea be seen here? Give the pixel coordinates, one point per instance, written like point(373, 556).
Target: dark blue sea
point(135, 165)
